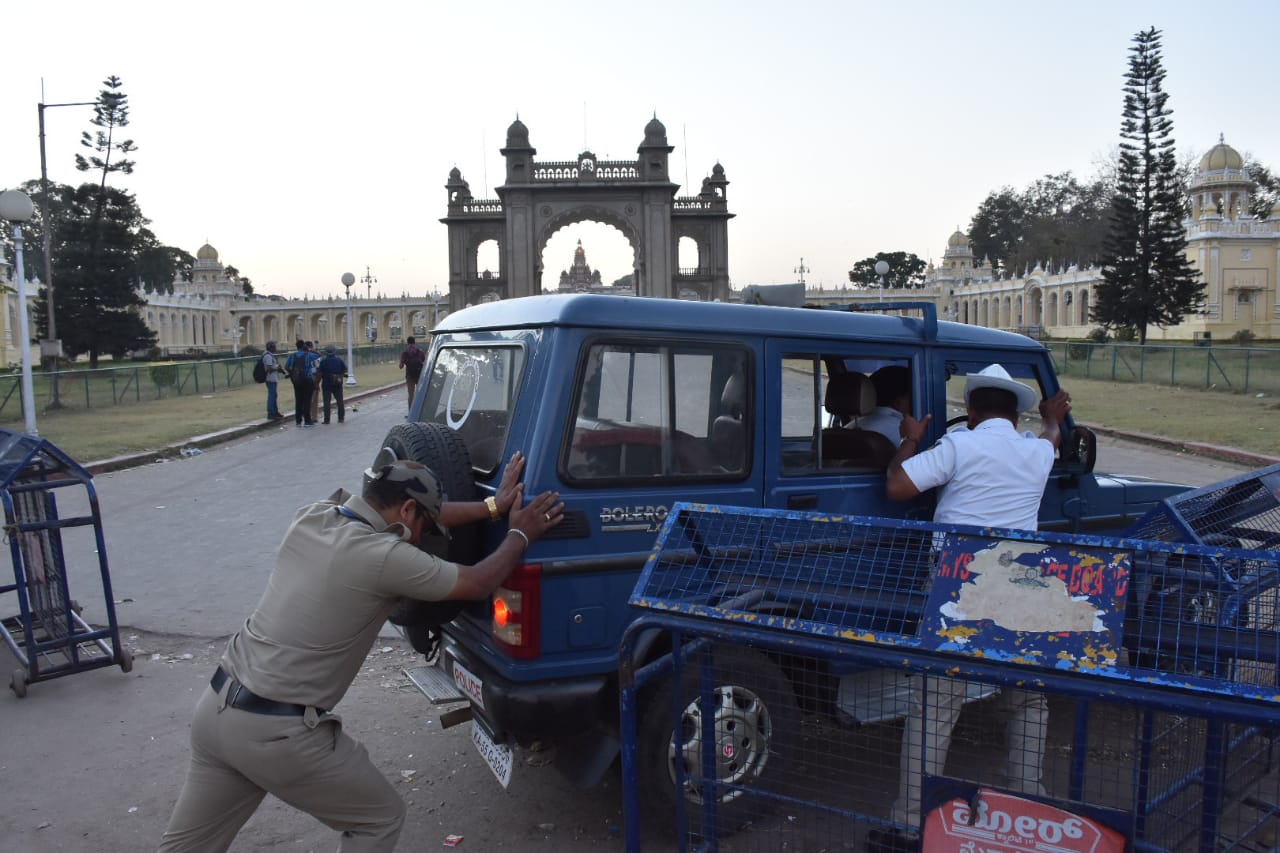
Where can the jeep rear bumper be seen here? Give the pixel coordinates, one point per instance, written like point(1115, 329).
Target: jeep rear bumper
point(542, 710)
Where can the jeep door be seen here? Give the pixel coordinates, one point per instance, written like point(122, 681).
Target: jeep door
point(817, 455)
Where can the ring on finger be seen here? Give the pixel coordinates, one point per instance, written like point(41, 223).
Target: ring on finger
point(547, 516)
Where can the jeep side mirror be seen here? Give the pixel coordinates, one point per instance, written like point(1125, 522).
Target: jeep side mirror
point(1081, 448)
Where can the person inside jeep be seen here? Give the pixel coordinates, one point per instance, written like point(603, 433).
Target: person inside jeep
point(893, 401)
point(989, 475)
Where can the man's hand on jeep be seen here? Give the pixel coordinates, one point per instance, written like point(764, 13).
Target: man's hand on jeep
point(510, 485)
point(1053, 412)
point(914, 430)
point(538, 516)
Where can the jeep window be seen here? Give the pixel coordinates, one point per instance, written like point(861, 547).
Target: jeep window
point(472, 390)
point(648, 411)
point(824, 399)
point(958, 369)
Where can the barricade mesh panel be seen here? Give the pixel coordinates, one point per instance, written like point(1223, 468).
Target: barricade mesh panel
point(813, 705)
point(1243, 512)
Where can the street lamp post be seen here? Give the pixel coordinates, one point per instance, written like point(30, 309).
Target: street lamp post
point(882, 268)
point(16, 208)
point(51, 346)
point(347, 280)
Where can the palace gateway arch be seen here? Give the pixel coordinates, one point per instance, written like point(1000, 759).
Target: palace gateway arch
point(635, 196)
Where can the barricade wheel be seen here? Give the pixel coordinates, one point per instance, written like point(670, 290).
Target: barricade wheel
point(18, 682)
point(757, 730)
point(125, 659)
point(443, 451)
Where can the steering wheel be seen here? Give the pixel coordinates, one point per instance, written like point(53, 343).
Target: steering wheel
point(957, 420)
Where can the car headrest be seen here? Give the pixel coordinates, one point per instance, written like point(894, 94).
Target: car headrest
point(850, 395)
point(733, 398)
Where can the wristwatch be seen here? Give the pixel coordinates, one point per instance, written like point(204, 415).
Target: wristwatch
point(492, 503)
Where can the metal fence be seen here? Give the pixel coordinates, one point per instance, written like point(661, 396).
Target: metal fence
point(800, 642)
point(118, 386)
point(1242, 369)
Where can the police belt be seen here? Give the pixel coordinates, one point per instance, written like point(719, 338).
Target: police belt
point(239, 696)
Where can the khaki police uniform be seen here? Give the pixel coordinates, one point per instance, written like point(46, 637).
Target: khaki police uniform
point(265, 725)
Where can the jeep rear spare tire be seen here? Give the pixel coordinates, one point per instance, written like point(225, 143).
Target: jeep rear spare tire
point(443, 451)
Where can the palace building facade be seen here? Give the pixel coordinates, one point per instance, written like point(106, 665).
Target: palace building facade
point(1236, 253)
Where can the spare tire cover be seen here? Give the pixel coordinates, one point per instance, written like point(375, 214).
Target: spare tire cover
point(443, 451)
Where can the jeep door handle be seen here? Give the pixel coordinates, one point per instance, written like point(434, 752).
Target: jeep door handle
point(802, 501)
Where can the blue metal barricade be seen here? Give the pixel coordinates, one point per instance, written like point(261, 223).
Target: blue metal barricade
point(47, 635)
point(779, 653)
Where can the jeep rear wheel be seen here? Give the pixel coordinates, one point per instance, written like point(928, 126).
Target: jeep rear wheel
point(444, 452)
point(757, 729)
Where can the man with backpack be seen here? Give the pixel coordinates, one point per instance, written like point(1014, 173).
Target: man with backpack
point(332, 371)
point(412, 360)
point(298, 366)
point(269, 366)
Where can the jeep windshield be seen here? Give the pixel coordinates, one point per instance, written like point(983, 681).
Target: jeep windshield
point(471, 389)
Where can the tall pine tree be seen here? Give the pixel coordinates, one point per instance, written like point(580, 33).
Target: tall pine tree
point(1147, 277)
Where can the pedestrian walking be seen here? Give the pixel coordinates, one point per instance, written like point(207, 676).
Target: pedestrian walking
point(332, 371)
point(303, 385)
point(412, 359)
point(266, 723)
point(272, 366)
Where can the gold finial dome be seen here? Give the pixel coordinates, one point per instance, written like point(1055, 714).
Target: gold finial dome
point(207, 253)
point(1221, 156)
point(958, 239)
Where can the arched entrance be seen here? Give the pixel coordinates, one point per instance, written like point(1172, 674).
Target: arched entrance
point(635, 196)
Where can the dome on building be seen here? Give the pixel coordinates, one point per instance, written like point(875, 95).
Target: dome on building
point(958, 239)
point(1221, 156)
point(655, 132)
point(517, 134)
point(454, 174)
point(717, 171)
point(206, 253)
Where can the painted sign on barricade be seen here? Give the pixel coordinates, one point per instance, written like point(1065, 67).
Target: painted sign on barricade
point(996, 822)
point(1031, 602)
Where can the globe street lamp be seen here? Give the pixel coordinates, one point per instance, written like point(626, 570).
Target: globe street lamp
point(16, 207)
point(882, 267)
point(347, 280)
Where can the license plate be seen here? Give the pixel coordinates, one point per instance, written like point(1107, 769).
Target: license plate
point(471, 686)
point(498, 756)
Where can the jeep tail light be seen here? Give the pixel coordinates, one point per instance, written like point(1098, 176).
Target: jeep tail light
point(516, 608)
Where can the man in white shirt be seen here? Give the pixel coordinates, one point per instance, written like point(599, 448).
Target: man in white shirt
point(893, 400)
point(992, 476)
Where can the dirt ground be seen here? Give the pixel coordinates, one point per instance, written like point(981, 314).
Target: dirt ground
point(94, 762)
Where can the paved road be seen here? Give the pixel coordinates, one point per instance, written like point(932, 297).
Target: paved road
point(191, 541)
point(94, 761)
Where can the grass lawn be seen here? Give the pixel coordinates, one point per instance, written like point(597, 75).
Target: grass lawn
point(1246, 421)
point(88, 434)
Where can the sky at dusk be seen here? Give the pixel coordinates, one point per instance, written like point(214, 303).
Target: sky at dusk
point(303, 140)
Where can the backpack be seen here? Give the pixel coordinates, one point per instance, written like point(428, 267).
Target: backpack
point(413, 361)
point(297, 367)
point(259, 371)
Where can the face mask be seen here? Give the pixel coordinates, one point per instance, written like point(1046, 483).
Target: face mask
point(405, 534)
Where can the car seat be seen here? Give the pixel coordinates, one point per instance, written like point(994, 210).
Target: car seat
point(729, 429)
point(849, 396)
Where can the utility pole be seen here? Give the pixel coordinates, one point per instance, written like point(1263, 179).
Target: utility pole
point(50, 346)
